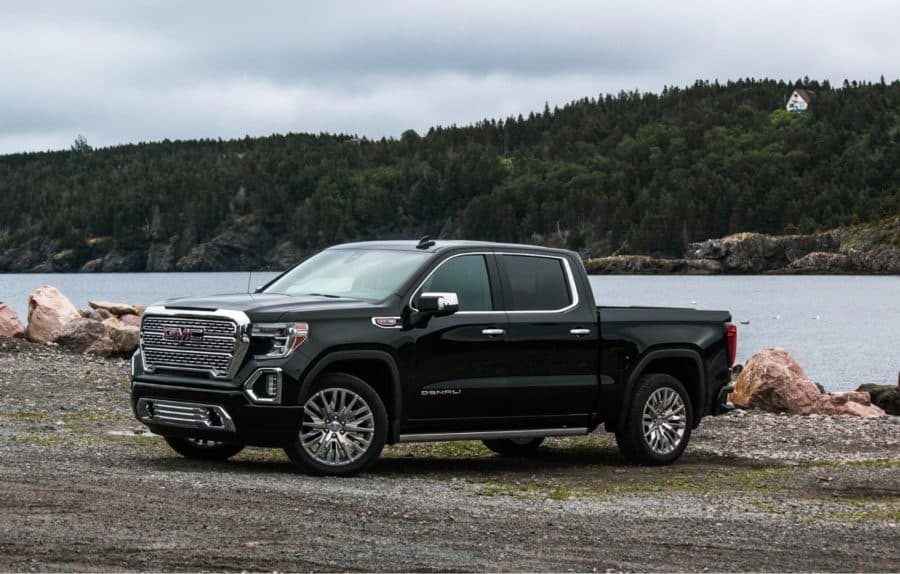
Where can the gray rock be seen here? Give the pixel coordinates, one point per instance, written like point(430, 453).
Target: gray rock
point(123, 261)
point(240, 245)
point(125, 339)
point(885, 396)
point(162, 256)
point(85, 336)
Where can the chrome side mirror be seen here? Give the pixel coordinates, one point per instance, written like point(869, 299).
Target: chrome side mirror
point(430, 305)
point(438, 304)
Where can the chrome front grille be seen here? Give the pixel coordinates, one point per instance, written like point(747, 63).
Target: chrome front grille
point(221, 327)
point(210, 342)
point(218, 344)
point(187, 415)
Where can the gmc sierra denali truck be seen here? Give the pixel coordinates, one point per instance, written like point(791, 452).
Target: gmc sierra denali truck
point(370, 343)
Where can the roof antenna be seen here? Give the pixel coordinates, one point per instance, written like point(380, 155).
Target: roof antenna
point(425, 242)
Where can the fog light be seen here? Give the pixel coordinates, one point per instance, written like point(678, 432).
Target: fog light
point(271, 384)
point(264, 386)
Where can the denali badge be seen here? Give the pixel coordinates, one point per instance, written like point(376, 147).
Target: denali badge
point(183, 334)
point(431, 393)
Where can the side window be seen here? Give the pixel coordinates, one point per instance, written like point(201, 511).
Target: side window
point(536, 283)
point(467, 276)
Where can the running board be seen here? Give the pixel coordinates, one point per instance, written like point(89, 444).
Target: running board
point(483, 435)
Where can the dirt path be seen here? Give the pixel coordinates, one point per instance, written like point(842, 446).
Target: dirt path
point(75, 497)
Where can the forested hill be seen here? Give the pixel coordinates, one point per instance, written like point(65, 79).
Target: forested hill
point(632, 173)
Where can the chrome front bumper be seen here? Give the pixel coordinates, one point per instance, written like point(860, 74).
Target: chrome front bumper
point(184, 414)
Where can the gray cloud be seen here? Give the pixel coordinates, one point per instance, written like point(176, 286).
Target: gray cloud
point(123, 72)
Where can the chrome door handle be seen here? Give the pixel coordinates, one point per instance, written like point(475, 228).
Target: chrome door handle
point(580, 332)
point(493, 332)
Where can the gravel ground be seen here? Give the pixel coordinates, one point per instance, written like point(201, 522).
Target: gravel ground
point(80, 490)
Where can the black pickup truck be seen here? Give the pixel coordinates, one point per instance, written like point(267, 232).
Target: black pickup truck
point(370, 343)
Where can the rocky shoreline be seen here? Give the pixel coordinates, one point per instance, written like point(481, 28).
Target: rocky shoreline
point(104, 329)
point(243, 243)
point(866, 249)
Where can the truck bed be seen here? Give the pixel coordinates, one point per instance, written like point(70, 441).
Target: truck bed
point(660, 315)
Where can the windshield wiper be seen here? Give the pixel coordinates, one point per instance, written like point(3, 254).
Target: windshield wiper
point(329, 295)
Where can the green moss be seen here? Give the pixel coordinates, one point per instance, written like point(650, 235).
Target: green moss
point(882, 514)
point(452, 449)
point(31, 416)
point(42, 440)
point(554, 492)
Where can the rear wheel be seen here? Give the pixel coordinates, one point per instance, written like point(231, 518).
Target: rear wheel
point(658, 422)
point(514, 446)
point(343, 429)
point(202, 448)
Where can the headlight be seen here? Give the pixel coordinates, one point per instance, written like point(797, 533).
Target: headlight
point(285, 337)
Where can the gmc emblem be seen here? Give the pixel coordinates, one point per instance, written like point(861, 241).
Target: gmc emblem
point(183, 334)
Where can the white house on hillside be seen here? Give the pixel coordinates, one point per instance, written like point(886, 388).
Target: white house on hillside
point(800, 100)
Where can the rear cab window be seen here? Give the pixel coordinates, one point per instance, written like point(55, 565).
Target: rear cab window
point(536, 283)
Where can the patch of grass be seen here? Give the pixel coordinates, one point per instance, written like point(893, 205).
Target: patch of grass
point(451, 449)
point(88, 417)
point(259, 454)
point(41, 440)
point(880, 463)
point(28, 416)
point(766, 507)
point(553, 492)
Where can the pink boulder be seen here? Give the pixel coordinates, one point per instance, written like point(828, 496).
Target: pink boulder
point(130, 320)
point(773, 381)
point(85, 336)
point(48, 312)
point(10, 326)
point(140, 309)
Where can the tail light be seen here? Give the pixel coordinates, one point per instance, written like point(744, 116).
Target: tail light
point(731, 342)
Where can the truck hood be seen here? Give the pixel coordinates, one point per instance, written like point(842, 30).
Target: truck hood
point(271, 306)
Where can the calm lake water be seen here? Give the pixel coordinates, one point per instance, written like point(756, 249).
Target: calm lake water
point(844, 330)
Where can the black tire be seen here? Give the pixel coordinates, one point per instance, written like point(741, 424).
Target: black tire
point(666, 435)
point(514, 447)
point(313, 454)
point(203, 449)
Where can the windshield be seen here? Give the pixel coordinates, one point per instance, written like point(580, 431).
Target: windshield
point(350, 273)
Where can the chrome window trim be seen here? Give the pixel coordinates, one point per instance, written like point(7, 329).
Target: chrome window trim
point(568, 269)
point(241, 338)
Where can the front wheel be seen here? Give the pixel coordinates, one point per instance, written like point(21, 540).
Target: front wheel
point(343, 429)
point(657, 425)
point(514, 446)
point(203, 449)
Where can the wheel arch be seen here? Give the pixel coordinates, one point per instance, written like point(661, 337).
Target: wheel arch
point(685, 364)
point(376, 368)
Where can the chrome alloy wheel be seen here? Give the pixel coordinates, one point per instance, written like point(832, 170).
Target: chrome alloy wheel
point(664, 420)
point(337, 428)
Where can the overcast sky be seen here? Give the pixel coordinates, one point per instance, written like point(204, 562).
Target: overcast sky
point(130, 71)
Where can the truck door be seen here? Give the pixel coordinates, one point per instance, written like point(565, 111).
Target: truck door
point(460, 372)
point(552, 356)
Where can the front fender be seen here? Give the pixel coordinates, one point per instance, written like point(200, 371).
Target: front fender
point(333, 357)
